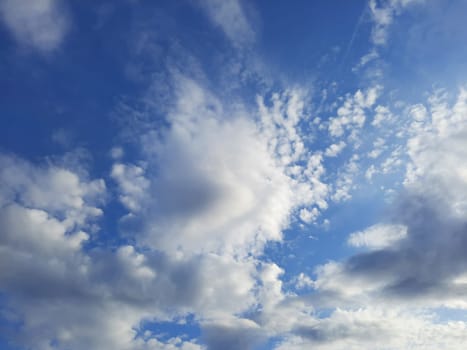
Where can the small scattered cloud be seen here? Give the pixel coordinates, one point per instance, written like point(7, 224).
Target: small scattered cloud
point(229, 15)
point(366, 59)
point(378, 236)
point(335, 149)
point(351, 115)
point(383, 14)
point(40, 24)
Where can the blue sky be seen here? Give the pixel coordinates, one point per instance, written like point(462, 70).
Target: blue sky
point(233, 175)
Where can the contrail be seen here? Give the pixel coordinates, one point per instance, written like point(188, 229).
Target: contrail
point(354, 35)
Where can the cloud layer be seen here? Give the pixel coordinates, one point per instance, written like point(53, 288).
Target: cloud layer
point(224, 212)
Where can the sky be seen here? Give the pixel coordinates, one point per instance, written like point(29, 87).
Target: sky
point(233, 175)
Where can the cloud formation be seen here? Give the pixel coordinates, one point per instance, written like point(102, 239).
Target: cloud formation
point(215, 213)
point(383, 14)
point(40, 25)
point(415, 264)
point(230, 16)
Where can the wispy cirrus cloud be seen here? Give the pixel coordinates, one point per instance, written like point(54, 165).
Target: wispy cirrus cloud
point(230, 16)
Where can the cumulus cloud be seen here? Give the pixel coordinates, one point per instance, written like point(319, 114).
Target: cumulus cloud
point(226, 179)
point(184, 261)
point(376, 328)
point(67, 293)
point(39, 24)
point(132, 184)
point(216, 182)
point(351, 115)
point(334, 149)
point(57, 190)
point(377, 236)
point(409, 268)
point(215, 186)
point(382, 116)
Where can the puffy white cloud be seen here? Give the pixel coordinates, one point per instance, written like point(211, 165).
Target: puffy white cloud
point(308, 215)
point(226, 179)
point(382, 116)
point(345, 181)
point(303, 281)
point(175, 343)
point(57, 190)
point(391, 291)
point(378, 148)
point(132, 185)
point(334, 149)
point(33, 230)
point(394, 289)
point(215, 185)
point(351, 115)
point(418, 112)
point(39, 24)
point(66, 294)
point(378, 236)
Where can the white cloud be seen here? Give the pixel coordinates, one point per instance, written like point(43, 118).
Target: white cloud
point(394, 289)
point(351, 115)
point(378, 236)
point(345, 181)
point(383, 115)
point(309, 216)
point(100, 298)
point(39, 24)
point(365, 59)
point(383, 14)
point(418, 112)
point(376, 328)
point(370, 172)
point(334, 149)
point(117, 152)
point(229, 15)
point(303, 281)
point(206, 208)
point(217, 184)
point(32, 230)
point(96, 299)
point(209, 195)
point(437, 143)
point(132, 184)
point(57, 190)
point(378, 148)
